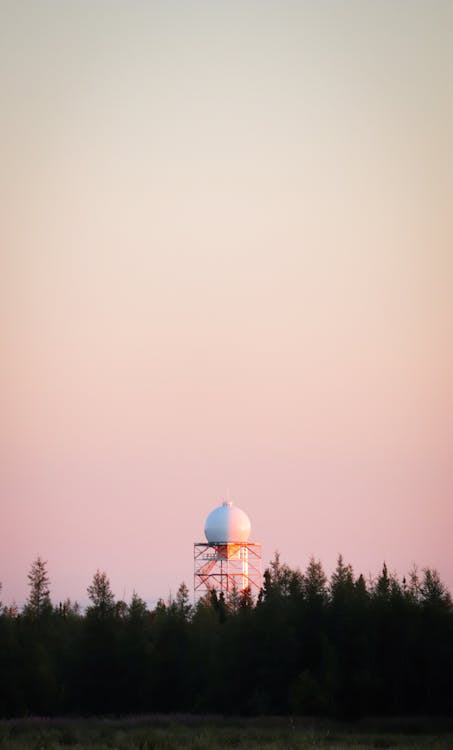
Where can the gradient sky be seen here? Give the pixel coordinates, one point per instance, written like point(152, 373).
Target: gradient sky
point(226, 264)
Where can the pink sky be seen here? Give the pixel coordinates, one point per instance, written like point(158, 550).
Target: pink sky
point(226, 263)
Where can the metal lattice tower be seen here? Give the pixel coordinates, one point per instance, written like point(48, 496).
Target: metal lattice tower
point(225, 567)
point(228, 561)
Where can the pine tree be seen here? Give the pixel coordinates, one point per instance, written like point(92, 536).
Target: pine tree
point(137, 608)
point(433, 592)
point(283, 581)
point(341, 582)
point(360, 589)
point(382, 588)
point(183, 606)
point(101, 596)
point(413, 589)
point(315, 582)
point(38, 602)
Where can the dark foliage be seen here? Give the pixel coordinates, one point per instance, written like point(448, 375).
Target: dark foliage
point(308, 646)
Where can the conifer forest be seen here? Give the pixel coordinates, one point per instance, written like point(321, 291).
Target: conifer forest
point(342, 647)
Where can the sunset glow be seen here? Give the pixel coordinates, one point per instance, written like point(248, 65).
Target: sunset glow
point(225, 262)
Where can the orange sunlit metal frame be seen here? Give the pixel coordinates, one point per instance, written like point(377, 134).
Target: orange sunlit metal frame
point(227, 566)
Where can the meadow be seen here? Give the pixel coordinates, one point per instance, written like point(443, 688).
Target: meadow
point(173, 733)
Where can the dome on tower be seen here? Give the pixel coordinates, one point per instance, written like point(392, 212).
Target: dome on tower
point(227, 523)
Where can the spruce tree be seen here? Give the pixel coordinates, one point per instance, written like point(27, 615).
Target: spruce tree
point(38, 602)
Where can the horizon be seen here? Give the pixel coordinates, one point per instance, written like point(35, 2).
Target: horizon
point(370, 579)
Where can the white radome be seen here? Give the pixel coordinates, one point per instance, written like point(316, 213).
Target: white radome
point(227, 523)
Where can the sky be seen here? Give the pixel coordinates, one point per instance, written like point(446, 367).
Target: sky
point(226, 267)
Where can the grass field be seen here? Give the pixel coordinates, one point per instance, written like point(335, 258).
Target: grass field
point(197, 734)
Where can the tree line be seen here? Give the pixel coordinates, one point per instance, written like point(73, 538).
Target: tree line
point(342, 647)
